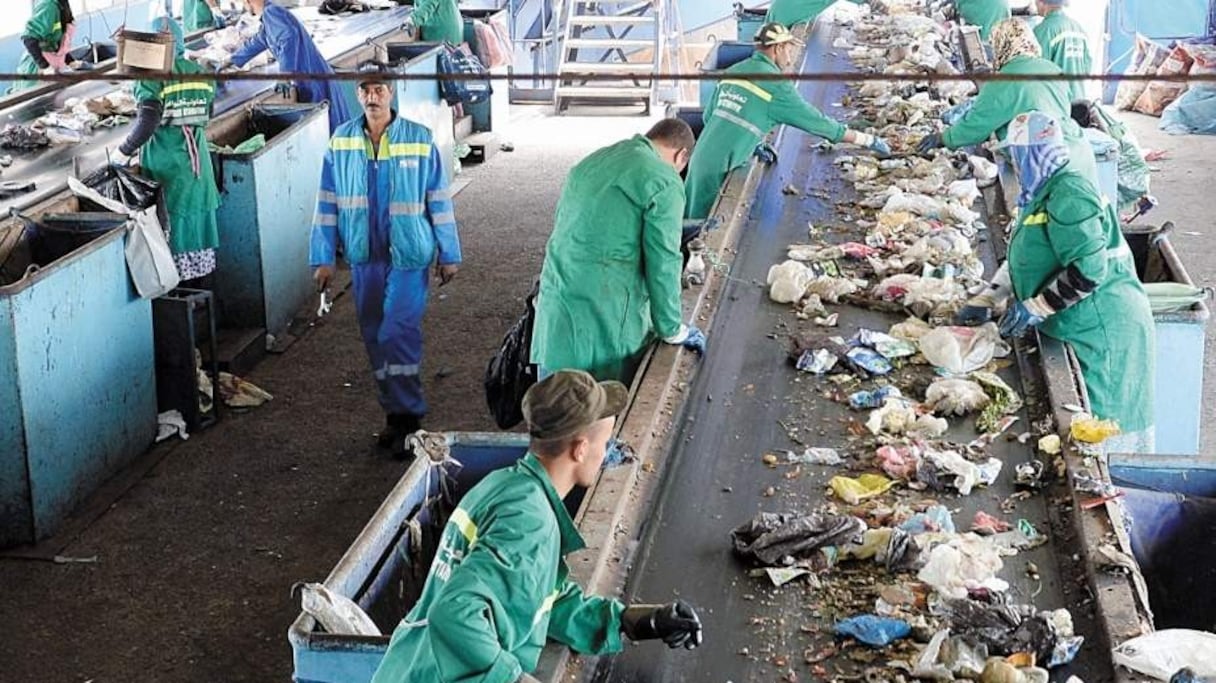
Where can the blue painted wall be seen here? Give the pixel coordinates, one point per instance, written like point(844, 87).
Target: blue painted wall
point(1161, 21)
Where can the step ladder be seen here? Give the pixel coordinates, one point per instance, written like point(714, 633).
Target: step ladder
point(611, 51)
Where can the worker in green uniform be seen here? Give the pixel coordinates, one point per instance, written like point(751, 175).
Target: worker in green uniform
point(791, 12)
point(610, 284)
point(1071, 275)
point(499, 585)
point(741, 112)
point(1064, 43)
point(169, 134)
point(201, 14)
point(47, 38)
point(437, 21)
point(983, 13)
point(1017, 52)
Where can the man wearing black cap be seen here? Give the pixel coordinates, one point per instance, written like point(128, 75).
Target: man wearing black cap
point(499, 586)
point(384, 197)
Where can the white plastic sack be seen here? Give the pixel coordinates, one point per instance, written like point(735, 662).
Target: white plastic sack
point(787, 282)
point(962, 350)
point(967, 561)
point(1163, 653)
point(147, 250)
point(336, 613)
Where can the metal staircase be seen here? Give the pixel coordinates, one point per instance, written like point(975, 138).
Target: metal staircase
point(612, 49)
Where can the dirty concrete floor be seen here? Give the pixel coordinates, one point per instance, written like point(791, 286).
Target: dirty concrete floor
point(1182, 184)
point(195, 562)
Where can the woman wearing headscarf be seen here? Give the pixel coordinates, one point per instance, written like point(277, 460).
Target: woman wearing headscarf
point(1017, 52)
point(1070, 274)
point(169, 134)
point(47, 38)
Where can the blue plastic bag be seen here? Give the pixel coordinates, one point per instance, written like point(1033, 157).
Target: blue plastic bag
point(873, 630)
point(455, 61)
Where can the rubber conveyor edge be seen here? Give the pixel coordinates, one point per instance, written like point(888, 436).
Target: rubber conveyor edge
point(49, 167)
point(617, 510)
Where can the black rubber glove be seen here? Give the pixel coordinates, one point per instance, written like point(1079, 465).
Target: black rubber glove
point(765, 153)
point(929, 143)
point(677, 624)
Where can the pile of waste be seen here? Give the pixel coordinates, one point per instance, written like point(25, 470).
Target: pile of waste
point(222, 43)
point(932, 602)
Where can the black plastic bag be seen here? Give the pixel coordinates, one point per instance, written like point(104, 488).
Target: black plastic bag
point(16, 251)
point(127, 187)
point(511, 372)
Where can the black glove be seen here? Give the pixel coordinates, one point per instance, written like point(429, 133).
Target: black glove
point(929, 143)
point(765, 153)
point(675, 623)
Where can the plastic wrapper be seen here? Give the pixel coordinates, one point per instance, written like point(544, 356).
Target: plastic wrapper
point(816, 456)
point(818, 361)
point(854, 490)
point(935, 519)
point(831, 289)
point(941, 469)
point(955, 396)
point(899, 461)
point(898, 416)
point(962, 350)
point(787, 281)
point(336, 613)
point(870, 360)
point(1088, 429)
point(911, 329)
point(872, 630)
point(966, 561)
point(868, 400)
point(885, 344)
point(771, 538)
point(1162, 653)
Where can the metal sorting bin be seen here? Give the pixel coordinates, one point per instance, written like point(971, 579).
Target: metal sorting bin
point(496, 109)
point(419, 100)
point(77, 383)
point(721, 56)
point(386, 567)
point(1178, 387)
point(265, 215)
point(1171, 504)
point(748, 22)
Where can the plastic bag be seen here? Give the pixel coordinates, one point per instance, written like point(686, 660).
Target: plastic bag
point(336, 613)
point(511, 371)
point(853, 491)
point(967, 561)
point(873, 630)
point(1147, 58)
point(961, 350)
point(458, 61)
point(1162, 653)
point(788, 281)
point(1088, 429)
point(955, 396)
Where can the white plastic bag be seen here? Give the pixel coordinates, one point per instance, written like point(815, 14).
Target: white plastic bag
point(967, 561)
point(961, 350)
point(787, 282)
point(336, 613)
point(1163, 653)
point(148, 257)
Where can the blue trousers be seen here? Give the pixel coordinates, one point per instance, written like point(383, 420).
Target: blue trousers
point(389, 303)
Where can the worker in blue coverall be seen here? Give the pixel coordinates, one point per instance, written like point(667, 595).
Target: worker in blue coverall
point(385, 199)
point(289, 42)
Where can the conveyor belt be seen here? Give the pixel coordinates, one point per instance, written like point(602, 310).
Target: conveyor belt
point(49, 167)
point(743, 392)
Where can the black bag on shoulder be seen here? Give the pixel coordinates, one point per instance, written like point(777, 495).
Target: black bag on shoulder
point(511, 371)
point(473, 88)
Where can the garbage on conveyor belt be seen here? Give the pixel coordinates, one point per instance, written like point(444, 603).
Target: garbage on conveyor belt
point(221, 43)
point(964, 563)
point(899, 416)
point(865, 400)
point(815, 456)
point(955, 396)
point(23, 136)
point(854, 490)
point(1162, 654)
point(1089, 429)
point(1004, 401)
point(873, 630)
point(963, 350)
point(940, 469)
point(935, 519)
point(781, 539)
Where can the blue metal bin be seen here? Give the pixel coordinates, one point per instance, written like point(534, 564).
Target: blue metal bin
point(77, 382)
point(384, 570)
point(419, 100)
point(748, 22)
point(721, 56)
point(265, 216)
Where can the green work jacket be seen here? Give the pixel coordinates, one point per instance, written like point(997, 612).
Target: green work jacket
point(1111, 331)
point(611, 279)
point(439, 21)
point(790, 12)
point(498, 587)
point(998, 102)
point(46, 25)
point(1065, 44)
point(191, 197)
point(196, 14)
point(984, 13)
point(738, 116)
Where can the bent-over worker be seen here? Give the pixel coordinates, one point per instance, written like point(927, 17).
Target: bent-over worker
point(1070, 274)
point(385, 199)
point(985, 14)
point(287, 39)
point(169, 134)
point(610, 283)
point(1064, 43)
point(1017, 52)
point(791, 12)
point(743, 111)
point(499, 586)
point(47, 38)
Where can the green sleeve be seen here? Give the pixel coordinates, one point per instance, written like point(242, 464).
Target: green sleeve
point(711, 105)
point(1075, 231)
point(148, 90)
point(424, 11)
point(42, 23)
point(587, 624)
point(790, 108)
point(661, 228)
point(496, 587)
point(989, 112)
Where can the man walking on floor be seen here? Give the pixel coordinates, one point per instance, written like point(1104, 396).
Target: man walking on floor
point(385, 199)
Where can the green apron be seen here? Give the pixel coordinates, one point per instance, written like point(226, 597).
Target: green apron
point(999, 101)
point(196, 15)
point(984, 13)
point(177, 157)
point(737, 118)
point(790, 12)
point(1065, 44)
point(1111, 331)
point(439, 21)
point(610, 283)
point(45, 24)
point(498, 587)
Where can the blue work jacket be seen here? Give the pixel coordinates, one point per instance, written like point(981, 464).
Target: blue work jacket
point(421, 218)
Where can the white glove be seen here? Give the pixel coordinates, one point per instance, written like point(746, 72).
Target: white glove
point(48, 71)
point(117, 158)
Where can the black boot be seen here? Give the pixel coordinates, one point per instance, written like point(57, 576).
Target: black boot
point(401, 426)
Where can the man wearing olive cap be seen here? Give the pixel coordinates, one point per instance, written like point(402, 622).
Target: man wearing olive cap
point(499, 586)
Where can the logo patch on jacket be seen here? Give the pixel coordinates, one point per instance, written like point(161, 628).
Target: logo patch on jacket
point(408, 163)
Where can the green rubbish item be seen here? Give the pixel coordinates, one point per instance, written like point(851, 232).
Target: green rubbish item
point(1171, 297)
point(249, 146)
